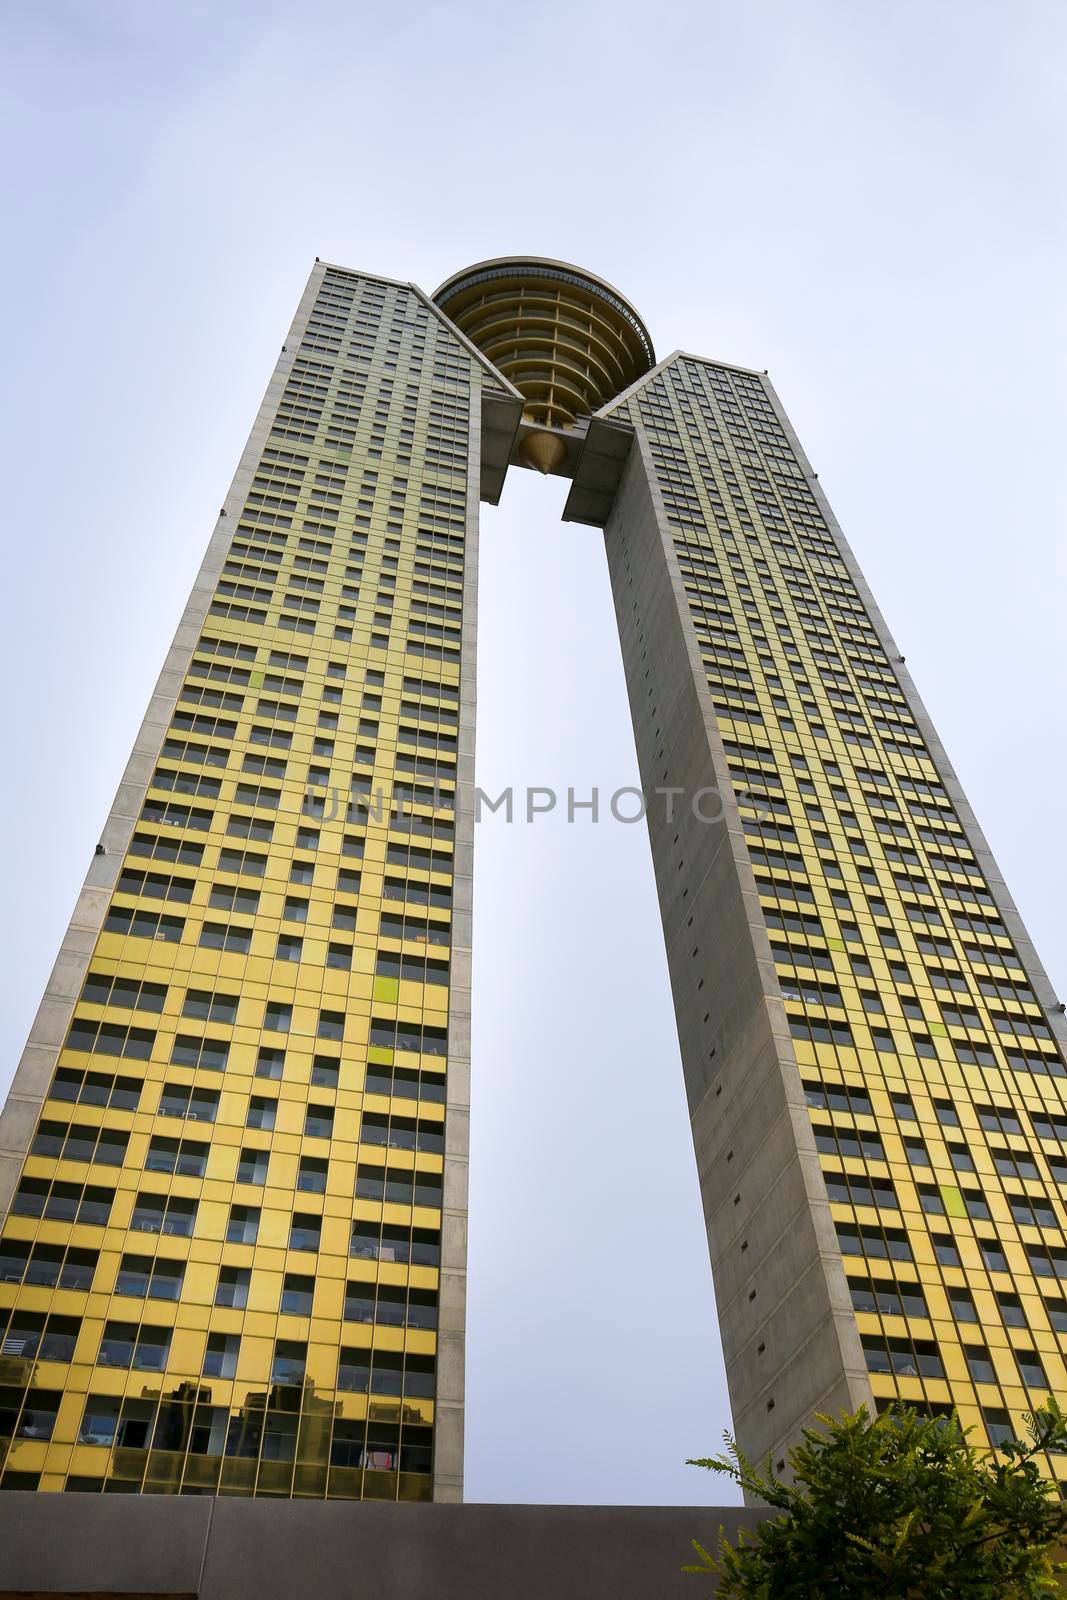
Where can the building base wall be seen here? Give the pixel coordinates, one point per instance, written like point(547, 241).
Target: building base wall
point(77, 1545)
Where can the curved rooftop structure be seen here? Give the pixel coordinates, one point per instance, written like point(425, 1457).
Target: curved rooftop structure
point(567, 340)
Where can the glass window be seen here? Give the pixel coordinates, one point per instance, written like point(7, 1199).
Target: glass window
point(290, 1362)
point(312, 1174)
point(243, 1224)
point(232, 1287)
point(220, 1356)
point(305, 1231)
point(297, 1292)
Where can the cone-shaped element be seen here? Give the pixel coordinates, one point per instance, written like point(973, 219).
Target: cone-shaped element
point(567, 340)
point(543, 451)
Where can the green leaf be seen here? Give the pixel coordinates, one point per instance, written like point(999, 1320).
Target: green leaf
point(899, 1506)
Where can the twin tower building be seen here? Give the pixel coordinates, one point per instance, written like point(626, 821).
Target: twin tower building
point(233, 1162)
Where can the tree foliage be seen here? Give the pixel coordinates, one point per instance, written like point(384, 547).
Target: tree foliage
point(901, 1507)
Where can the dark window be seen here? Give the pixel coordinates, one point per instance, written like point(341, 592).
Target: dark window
point(232, 1287)
point(297, 1292)
point(220, 1356)
point(305, 1231)
point(311, 1175)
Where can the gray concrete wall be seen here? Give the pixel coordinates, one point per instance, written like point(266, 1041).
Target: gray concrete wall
point(237, 1549)
point(788, 1330)
point(452, 1305)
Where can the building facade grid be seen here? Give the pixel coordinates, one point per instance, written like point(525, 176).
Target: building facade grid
point(238, 1232)
point(926, 1035)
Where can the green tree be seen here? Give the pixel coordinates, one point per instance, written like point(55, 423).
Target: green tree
point(898, 1507)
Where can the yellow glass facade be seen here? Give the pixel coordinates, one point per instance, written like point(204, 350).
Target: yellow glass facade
point(922, 1024)
point(222, 1264)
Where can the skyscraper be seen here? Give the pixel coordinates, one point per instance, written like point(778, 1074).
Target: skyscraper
point(233, 1159)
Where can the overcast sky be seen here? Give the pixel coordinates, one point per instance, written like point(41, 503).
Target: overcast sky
point(867, 199)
